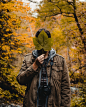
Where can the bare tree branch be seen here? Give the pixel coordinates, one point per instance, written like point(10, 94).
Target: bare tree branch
point(33, 1)
point(76, 70)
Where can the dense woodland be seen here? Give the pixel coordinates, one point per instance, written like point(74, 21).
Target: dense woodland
point(65, 19)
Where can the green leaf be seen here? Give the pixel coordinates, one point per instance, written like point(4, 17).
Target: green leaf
point(36, 43)
point(42, 41)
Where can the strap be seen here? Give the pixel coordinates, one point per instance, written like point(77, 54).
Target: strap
point(51, 63)
point(40, 78)
point(46, 103)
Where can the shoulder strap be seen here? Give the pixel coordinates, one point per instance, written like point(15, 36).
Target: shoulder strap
point(51, 63)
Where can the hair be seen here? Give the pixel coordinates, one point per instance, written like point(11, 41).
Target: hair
point(46, 31)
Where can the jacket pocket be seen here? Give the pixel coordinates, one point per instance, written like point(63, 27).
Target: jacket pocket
point(57, 72)
point(57, 68)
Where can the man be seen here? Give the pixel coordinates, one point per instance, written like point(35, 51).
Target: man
point(45, 74)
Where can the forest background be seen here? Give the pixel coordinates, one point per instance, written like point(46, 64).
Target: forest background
point(65, 19)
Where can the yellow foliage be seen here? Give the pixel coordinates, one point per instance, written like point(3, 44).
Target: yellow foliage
point(5, 47)
point(13, 42)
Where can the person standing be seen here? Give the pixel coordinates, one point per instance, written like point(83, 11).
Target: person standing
point(45, 74)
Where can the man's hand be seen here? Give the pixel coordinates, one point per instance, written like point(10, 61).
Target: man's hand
point(41, 58)
point(38, 61)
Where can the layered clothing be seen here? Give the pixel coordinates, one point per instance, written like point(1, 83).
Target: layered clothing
point(60, 83)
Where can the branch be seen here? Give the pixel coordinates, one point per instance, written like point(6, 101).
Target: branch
point(68, 16)
point(76, 70)
point(70, 3)
point(50, 15)
point(33, 1)
point(78, 24)
point(54, 2)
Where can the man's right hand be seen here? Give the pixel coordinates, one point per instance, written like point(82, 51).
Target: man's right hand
point(39, 60)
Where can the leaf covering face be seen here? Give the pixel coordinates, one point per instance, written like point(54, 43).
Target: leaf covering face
point(42, 41)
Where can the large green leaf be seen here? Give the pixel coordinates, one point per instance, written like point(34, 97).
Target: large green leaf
point(36, 43)
point(42, 41)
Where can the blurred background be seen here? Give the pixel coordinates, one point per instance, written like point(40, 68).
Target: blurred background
point(20, 20)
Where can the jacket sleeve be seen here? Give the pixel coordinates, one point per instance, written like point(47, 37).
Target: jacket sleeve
point(65, 87)
point(26, 74)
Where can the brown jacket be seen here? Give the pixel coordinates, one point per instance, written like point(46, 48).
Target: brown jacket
point(60, 91)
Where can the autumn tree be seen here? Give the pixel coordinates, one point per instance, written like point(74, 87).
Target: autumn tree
point(70, 34)
point(72, 23)
point(12, 42)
